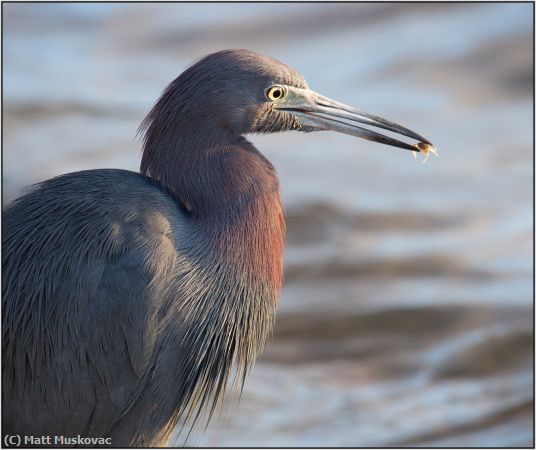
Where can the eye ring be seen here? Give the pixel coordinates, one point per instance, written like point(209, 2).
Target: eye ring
point(276, 92)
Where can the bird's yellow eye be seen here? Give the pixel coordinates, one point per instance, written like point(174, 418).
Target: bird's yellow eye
point(276, 92)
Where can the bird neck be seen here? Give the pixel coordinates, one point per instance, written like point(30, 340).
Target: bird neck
point(230, 192)
point(235, 228)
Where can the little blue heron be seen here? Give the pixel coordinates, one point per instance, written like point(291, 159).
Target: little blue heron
point(129, 298)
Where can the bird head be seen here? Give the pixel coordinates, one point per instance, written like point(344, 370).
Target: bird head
point(243, 92)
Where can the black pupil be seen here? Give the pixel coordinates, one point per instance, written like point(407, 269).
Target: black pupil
point(276, 93)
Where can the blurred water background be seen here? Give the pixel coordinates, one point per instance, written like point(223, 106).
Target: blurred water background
point(406, 316)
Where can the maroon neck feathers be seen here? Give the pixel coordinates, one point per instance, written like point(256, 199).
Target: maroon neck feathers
point(230, 191)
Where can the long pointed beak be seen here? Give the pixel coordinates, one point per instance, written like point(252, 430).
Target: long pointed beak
point(315, 110)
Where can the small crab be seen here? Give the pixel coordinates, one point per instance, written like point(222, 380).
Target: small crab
point(426, 149)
